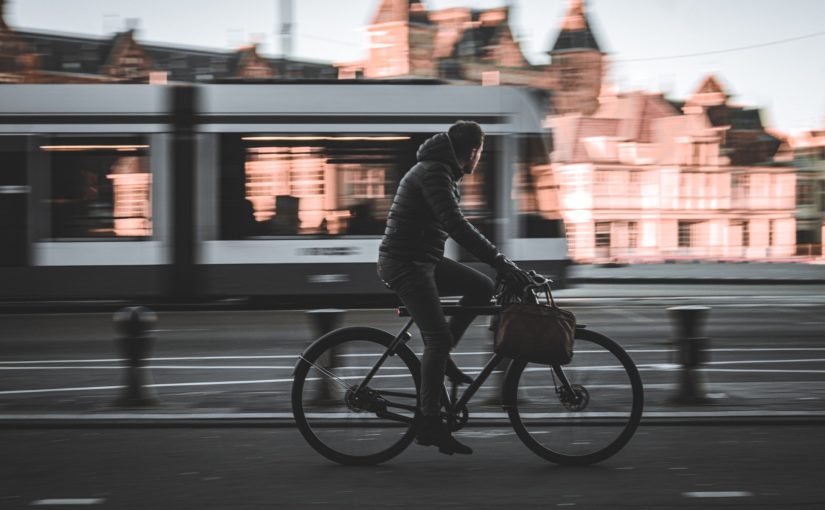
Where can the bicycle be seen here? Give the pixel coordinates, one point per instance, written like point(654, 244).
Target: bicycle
point(356, 411)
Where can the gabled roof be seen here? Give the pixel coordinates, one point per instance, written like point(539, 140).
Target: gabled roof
point(710, 85)
point(575, 33)
point(485, 31)
point(570, 131)
point(636, 112)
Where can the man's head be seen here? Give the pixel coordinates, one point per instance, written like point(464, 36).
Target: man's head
point(467, 138)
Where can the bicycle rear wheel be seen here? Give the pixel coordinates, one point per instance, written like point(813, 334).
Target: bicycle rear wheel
point(371, 426)
point(593, 423)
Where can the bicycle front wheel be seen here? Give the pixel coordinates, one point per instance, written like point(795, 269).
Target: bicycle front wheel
point(368, 426)
point(590, 424)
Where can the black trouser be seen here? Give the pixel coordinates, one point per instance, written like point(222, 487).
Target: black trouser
point(419, 285)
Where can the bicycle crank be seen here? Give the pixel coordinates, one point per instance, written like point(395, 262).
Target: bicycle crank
point(366, 400)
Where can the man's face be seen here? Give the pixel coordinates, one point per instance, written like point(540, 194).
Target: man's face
point(475, 157)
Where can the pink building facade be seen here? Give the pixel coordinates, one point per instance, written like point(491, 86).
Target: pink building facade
point(465, 45)
point(642, 181)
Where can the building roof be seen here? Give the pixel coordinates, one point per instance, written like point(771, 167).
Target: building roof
point(575, 33)
point(570, 132)
point(636, 112)
point(89, 55)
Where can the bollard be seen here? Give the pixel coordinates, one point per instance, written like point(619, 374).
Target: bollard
point(133, 325)
point(322, 322)
point(691, 348)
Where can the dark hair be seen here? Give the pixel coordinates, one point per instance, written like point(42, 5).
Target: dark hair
point(465, 136)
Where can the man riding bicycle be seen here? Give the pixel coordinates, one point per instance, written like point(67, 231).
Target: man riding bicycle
point(424, 212)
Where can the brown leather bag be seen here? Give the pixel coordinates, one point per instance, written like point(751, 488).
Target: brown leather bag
point(537, 333)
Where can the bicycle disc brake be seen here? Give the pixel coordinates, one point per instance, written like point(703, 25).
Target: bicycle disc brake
point(575, 400)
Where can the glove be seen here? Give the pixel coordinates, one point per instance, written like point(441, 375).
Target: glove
point(508, 272)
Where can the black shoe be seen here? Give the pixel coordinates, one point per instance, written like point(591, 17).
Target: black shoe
point(432, 432)
point(455, 374)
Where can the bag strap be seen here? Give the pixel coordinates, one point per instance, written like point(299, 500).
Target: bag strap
point(549, 295)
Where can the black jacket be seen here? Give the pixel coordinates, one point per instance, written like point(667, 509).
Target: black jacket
point(425, 210)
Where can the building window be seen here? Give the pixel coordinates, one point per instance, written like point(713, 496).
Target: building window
point(804, 192)
point(571, 232)
point(771, 236)
point(632, 234)
point(746, 233)
point(602, 234)
point(99, 187)
point(686, 234)
point(740, 184)
point(821, 196)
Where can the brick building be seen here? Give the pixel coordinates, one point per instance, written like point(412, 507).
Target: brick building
point(646, 179)
point(808, 150)
point(463, 45)
point(42, 57)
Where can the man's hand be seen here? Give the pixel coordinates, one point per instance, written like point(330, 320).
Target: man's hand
point(508, 272)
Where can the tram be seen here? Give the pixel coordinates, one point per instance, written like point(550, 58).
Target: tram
point(232, 190)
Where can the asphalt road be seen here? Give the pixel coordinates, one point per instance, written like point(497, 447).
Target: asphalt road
point(767, 351)
point(663, 467)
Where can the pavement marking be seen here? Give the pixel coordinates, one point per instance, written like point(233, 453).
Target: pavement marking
point(67, 502)
point(471, 353)
point(718, 494)
point(137, 416)
point(177, 385)
point(633, 316)
point(739, 362)
point(762, 370)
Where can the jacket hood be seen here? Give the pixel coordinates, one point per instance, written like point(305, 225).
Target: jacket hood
point(439, 148)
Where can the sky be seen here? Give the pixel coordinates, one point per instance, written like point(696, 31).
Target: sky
point(646, 39)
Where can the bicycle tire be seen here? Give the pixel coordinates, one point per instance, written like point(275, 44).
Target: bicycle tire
point(365, 338)
point(587, 343)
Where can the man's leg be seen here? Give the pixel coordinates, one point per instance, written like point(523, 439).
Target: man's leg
point(475, 288)
point(418, 291)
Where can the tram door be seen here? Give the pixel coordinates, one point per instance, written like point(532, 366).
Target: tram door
point(14, 194)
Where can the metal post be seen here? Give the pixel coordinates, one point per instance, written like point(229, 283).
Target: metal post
point(691, 351)
point(133, 325)
point(322, 322)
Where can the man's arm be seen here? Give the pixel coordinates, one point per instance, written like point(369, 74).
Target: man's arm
point(437, 191)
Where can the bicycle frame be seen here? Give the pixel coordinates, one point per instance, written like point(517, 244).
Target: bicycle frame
point(451, 407)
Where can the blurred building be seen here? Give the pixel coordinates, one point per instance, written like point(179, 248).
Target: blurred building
point(646, 179)
point(41, 57)
point(809, 158)
point(463, 45)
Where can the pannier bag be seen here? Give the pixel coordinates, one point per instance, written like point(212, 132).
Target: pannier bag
point(536, 333)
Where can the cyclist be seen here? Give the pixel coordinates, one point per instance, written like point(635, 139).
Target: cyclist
point(424, 212)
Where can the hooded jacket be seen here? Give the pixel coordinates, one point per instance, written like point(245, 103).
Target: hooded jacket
point(425, 210)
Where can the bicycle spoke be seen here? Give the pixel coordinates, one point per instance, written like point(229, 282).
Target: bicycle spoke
point(582, 412)
point(327, 373)
point(343, 420)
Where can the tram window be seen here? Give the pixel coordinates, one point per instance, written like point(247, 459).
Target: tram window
point(310, 184)
point(535, 190)
point(99, 187)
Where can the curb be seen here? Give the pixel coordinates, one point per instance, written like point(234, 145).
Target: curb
point(285, 420)
point(634, 280)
